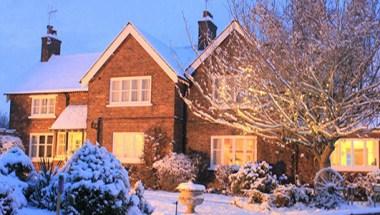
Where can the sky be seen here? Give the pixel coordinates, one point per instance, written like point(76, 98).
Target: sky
point(89, 26)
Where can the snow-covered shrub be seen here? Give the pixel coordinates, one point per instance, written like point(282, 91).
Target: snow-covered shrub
point(173, 170)
point(138, 200)
point(15, 160)
point(222, 174)
point(201, 162)
point(17, 189)
point(362, 186)
point(7, 206)
point(253, 176)
point(8, 141)
point(255, 196)
point(95, 183)
point(156, 146)
point(39, 182)
point(288, 195)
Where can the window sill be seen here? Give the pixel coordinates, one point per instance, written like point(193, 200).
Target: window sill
point(130, 105)
point(42, 117)
point(38, 159)
point(355, 168)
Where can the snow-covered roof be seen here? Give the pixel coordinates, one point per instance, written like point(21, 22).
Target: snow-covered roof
point(73, 117)
point(59, 74)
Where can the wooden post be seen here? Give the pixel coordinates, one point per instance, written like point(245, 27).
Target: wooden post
point(60, 191)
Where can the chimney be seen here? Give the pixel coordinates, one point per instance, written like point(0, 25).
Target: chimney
point(50, 44)
point(206, 30)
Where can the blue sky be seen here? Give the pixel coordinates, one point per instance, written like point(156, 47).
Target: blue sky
point(89, 26)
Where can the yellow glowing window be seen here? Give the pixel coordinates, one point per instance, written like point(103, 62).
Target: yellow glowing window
point(232, 150)
point(351, 153)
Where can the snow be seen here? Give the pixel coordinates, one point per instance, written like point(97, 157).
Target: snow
point(14, 156)
point(59, 74)
point(73, 117)
point(8, 141)
point(11, 181)
point(191, 186)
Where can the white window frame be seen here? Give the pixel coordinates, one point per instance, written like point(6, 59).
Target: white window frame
point(124, 159)
point(139, 92)
point(37, 159)
point(356, 168)
point(40, 115)
point(233, 138)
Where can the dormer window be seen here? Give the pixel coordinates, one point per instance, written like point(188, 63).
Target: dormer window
point(43, 106)
point(130, 91)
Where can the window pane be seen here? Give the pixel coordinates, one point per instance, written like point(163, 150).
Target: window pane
point(34, 146)
point(216, 150)
point(116, 85)
point(61, 144)
point(44, 106)
point(371, 153)
point(125, 91)
point(49, 139)
point(345, 153)
point(145, 85)
point(42, 140)
point(250, 150)
point(334, 158)
point(51, 105)
point(228, 155)
point(36, 106)
point(48, 151)
point(239, 152)
point(145, 95)
point(41, 151)
point(134, 91)
point(358, 152)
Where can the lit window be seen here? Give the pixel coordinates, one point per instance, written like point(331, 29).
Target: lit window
point(130, 91)
point(61, 145)
point(41, 145)
point(232, 150)
point(355, 155)
point(43, 106)
point(128, 147)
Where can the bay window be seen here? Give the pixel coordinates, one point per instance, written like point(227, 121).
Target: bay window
point(130, 91)
point(353, 154)
point(41, 146)
point(232, 150)
point(128, 147)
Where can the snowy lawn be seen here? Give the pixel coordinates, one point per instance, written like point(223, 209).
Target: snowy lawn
point(164, 203)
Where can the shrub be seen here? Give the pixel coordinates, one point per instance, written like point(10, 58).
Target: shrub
point(201, 161)
point(40, 181)
point(253, 176)
point(222, 174)
point(95, 183)
point(9, 141)
point(173, 170)
point(255, 196)
point(157, 145)
point(288, 195)
point(7, 206)
point(362, 186)
point(138, 200)
point(15, 160)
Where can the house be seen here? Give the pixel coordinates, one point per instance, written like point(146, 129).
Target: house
point(115, 97)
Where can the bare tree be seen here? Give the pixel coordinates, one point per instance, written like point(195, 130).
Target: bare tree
point(4, 121)
point(306, 72)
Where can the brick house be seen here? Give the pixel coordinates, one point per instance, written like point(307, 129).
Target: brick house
point(116, 96)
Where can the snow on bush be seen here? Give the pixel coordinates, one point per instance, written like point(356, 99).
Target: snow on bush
point(174, 169)
point(139, 203)
point(8, 141)
point(253, 176)
point(7, 206)
point(17, 188)
point(222, 174)
point(95, 181)
point(288, 195)
point(15, 160)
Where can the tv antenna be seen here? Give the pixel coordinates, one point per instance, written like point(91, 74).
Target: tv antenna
point(51, 12)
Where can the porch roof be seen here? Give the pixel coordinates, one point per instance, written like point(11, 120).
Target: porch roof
point(73, 117)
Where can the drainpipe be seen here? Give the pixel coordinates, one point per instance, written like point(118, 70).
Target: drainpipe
point(67, 97)
point(99, 130)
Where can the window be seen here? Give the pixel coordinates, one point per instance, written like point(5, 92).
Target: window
point(229, 89)
point(130, 91)
point(43, 106)
point(232, 150)
point(128, 147)
point(355, 155)
point(41, 146)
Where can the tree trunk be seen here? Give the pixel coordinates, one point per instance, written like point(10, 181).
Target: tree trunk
point(324, 160)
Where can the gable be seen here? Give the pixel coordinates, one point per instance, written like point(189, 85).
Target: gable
point(129, 30)
point(234, 26)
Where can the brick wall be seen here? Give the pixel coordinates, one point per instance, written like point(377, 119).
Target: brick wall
point(130, 59)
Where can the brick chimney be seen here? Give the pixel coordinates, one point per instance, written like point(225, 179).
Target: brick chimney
point(50, 44)
point(206, 30)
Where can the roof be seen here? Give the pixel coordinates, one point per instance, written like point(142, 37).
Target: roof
point(234, 26)
point(59, 74)
point(167, 58)
point(73, 117)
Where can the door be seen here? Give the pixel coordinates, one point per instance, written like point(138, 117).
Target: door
point(74, 143)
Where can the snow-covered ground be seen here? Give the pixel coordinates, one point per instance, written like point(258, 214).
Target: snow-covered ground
point(164, 203)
